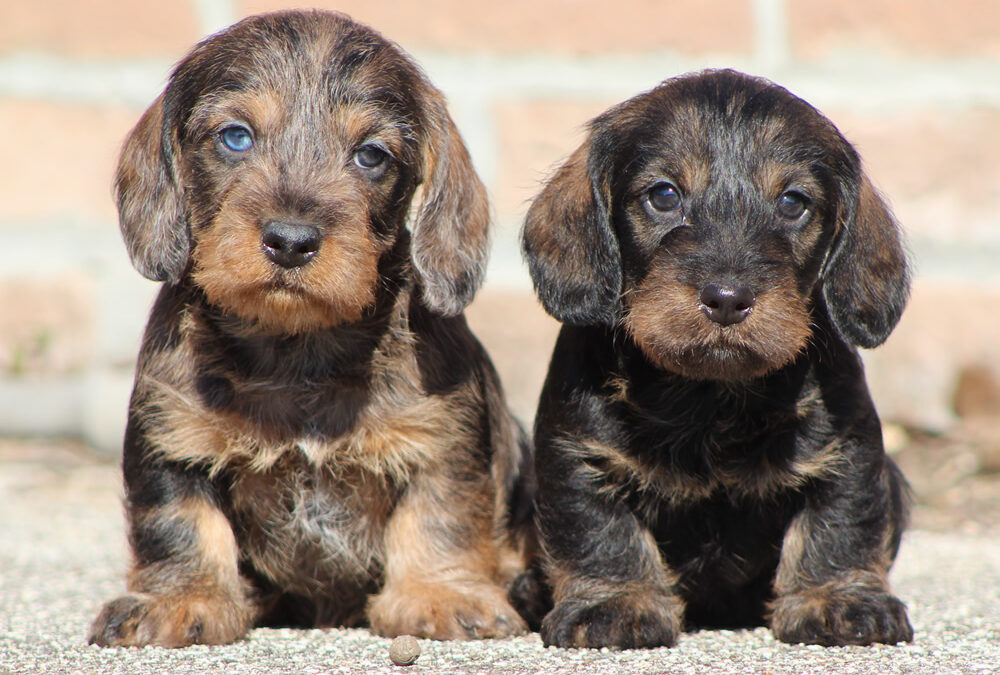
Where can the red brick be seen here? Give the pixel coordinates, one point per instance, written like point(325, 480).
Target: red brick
point(551, 26)
point(64, 157)
point(99, 28)
point(534, 138)
point(938, 168)
point(921, 28)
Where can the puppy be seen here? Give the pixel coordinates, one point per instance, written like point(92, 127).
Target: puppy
point(315, 437)
point(707, 452)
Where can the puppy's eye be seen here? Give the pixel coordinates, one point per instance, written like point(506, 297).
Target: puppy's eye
point(370, 157)
point(664, 197)
point(236, 138)
point(792, 205)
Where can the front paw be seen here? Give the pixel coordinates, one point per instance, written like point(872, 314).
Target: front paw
point(444, 611)
point(178, 620)
point(852, 616)
point(627, 621)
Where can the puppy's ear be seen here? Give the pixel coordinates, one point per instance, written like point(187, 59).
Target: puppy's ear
point(451, 236)
point(572, 253)
point(150, 199)
point(866, 282)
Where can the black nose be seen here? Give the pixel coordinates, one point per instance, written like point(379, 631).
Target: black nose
point(290, 244)
point(727, 305)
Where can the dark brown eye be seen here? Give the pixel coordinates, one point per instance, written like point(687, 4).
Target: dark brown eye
point(664, 197)
point(792, 205)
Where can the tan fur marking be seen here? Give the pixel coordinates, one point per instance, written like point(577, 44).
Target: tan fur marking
point(216, 544)
point(618, 471)
point(401, 430)
point(197, 597)
point(384, 442)
point(665, 319)
point(790, 578)
point(654, 573)
point(355, 124)
point(442, 575)
point(189, 616)
point(332, 289)
point(792, 549)
point(263, 108)
point(696, 173)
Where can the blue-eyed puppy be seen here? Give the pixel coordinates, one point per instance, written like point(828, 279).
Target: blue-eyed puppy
point(315, 437)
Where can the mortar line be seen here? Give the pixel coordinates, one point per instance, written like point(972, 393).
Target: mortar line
point(858, 80)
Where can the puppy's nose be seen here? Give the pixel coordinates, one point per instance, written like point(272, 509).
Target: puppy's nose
point(290, 244)
point(726, 304)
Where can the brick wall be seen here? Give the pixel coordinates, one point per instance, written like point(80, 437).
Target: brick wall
point(916, 88)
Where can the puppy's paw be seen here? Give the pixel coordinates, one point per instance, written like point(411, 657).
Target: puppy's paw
point(628, 621)
point(444, 611)
point(841, 617)
point(172, 621)
point(531, 596)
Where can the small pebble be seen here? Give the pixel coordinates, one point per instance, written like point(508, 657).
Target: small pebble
point(404, 650)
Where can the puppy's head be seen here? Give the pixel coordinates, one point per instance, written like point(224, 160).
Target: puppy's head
point(711, 217)
point(279, 166)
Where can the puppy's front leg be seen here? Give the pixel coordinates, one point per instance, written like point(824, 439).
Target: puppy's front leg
point(184, 587)
point(442, 562)
point(610, 585)
point(832, 581)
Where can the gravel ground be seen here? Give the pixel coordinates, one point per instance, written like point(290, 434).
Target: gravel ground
point(62, 553)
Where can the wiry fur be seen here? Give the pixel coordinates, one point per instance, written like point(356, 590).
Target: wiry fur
point(699, 471)
point(320, 443)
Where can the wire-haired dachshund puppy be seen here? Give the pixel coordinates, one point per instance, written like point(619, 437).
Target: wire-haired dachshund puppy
point(707, 452)
point(314, 437)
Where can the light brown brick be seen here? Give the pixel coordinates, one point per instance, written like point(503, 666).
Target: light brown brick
point(944, 330)
point(550, 26)
point(940, 169)
point(99, 28)
point(46, 326)
point(922, 28)
point(61, 160)
point(533, 139)
point(519, 336)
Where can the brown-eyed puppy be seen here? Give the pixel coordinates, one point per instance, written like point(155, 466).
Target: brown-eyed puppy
point(315, 437)
point(707, 452)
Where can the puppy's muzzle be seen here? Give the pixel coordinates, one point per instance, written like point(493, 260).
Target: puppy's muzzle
point(727, 304)
point(290, 244)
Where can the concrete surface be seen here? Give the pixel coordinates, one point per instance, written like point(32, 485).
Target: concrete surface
point(63, 552)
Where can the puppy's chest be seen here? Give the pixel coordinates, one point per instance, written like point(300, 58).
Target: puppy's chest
point(699, 448)
point(384, 431)
point(307, 528)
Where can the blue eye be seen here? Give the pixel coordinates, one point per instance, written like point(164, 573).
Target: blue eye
point(370, 157)
point(236, 138)
point(664, 197)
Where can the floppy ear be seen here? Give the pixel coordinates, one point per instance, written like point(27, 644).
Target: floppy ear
point(572, 253)
point(866, 282)
point(451, 236)
point(150, 199)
